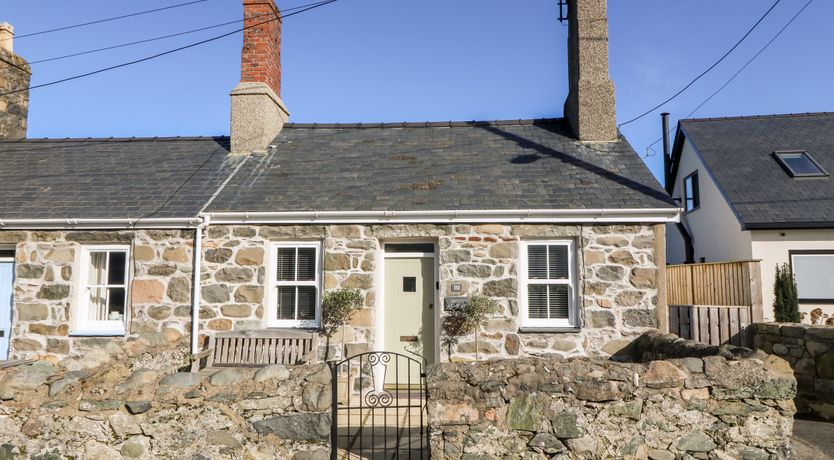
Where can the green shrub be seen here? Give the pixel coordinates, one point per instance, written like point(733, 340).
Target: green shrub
point(786, 303)
point(336, 309)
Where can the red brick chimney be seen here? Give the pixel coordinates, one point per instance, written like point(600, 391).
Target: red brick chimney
point(258, 114)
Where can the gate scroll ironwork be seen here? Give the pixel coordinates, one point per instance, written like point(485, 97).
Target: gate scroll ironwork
point(378, 407)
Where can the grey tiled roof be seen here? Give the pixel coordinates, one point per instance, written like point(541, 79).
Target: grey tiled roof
point(440, 166)
point(737, 151)
point(110, 178)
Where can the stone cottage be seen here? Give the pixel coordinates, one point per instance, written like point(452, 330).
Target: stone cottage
point(135, 242)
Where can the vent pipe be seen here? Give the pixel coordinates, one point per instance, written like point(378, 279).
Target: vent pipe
point(667, 159)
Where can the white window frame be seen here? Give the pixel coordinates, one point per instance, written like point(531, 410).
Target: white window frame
point(524, 282)
point(80, 324)
point(272, 284)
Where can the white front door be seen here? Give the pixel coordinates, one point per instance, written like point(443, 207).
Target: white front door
point(409, 307)
point(6, 290)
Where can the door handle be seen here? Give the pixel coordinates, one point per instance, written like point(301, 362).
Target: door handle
point(431, 306)
point(2, 333)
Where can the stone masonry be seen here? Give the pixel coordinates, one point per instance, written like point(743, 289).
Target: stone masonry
point(138, 408)
point(14, 107)
point(810, 352)
point(617, 282)
point(47, 279)
point(588, 408)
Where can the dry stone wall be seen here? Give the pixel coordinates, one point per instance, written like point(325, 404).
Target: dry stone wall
point(810, 352)
point(47, 271)
point(617, 285)
point(135, 408)
point(696, 407)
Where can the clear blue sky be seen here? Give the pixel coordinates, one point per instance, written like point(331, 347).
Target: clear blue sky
point(395, 60)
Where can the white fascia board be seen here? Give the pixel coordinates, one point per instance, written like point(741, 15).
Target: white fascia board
point(102, 224)
point(553, 216)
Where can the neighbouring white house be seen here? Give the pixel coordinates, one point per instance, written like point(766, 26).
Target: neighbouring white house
point(758, 188)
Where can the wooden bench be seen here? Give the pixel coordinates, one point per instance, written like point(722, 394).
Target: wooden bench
point(258, 348)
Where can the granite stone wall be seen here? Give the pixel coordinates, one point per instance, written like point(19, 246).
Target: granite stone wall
point(14, 107)
point(159, 310)
point(139, 408)
point(617, 283)
point(810, 352)
point(539, 408)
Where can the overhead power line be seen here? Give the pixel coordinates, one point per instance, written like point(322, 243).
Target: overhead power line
point(165, 53)
point(99, 21)
point(746, 64)
point(153, 39)
point(715, 64)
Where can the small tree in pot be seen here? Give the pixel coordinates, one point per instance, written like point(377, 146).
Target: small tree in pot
point(337, 307)
point(471, 317)
point(786, 303)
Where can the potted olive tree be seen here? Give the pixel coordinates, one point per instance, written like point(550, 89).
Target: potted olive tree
point(468, 319)
point(337, 307)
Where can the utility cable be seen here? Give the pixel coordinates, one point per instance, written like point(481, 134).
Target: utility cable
point(715, 64)
point(99, 21)
point(165, 53)
point(746, 64)
point(153, 39)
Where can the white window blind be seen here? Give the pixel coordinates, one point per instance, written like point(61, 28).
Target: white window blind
point(547, 284)
point(296, 285)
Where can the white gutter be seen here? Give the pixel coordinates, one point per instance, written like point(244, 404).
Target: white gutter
point(90, 224)
point(614, 215)
point(195, 285)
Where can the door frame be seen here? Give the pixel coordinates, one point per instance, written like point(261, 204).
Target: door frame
point(379, 306)
point(12, 259)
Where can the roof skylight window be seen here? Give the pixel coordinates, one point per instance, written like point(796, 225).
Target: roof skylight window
point(798, 163)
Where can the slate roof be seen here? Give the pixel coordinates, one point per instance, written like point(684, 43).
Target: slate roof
point(522, 164)
point(110, 178)
point(737, 151)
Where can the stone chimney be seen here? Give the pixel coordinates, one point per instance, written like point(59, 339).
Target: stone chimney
point(258, 114)
point(15, 74)
point(590, 107)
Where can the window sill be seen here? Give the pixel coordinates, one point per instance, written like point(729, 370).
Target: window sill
point(550, 330)
point(111, 333)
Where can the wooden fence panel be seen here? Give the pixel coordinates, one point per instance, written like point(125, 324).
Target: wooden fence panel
point(714, 303)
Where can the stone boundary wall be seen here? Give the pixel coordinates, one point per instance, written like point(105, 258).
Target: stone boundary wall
point(810, 352)
point(697, 407)
point(146, 410)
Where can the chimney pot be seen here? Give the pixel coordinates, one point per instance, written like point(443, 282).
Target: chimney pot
point(591, 107)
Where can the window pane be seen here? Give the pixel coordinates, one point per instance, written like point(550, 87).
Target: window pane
point(98, 304)
point(286, 302)
point(800, 163)
point(116, 307)
point(814, 276)
point(306, 303)
point(559, 301)
point(558, 262)
point(537, 262)
point(98, 268)
point(537, 301)
point(116, 273)
point(306, 264)
point(690, 191)
point(409, 247)
point(286, 264)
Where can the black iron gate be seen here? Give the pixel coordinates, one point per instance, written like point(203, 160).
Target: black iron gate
point(379, 407)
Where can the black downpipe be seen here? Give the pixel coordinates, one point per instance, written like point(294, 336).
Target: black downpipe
point(667, 177)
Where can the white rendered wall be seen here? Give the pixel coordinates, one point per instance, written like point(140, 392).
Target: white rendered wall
point(772, 247)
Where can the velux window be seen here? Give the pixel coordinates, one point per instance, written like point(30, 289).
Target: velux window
point(691, 192)
point(799, 164)
point(101, 308)
point(294, 292)
point(548, 283)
